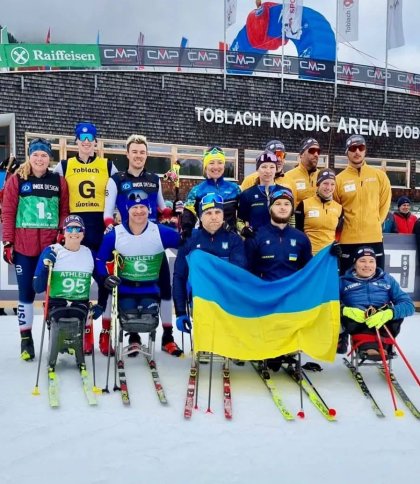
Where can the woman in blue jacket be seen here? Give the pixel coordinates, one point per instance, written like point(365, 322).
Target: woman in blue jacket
point(371, 298)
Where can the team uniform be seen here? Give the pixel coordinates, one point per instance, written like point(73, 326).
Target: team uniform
point(304, 183)
point(33, 210)
point(320, 219)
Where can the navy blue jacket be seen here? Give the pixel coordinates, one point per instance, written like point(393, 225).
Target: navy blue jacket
point(224, 244)
point(381, 289)
point(275, 253)
point(253, 205)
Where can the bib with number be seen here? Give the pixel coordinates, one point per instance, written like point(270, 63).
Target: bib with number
point(71, 285)
point(141, 268)
point(36, 212)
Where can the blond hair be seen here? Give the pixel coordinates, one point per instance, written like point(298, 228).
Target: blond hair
point(136, 138)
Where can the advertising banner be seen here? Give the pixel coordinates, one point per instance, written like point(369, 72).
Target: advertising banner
point(3, 61)
point(52, 55)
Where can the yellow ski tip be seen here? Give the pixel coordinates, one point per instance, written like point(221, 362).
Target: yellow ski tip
point(399, 413)
point(35, 391)
point(97, 390)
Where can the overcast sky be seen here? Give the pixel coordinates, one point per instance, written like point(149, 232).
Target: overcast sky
point(164, 22)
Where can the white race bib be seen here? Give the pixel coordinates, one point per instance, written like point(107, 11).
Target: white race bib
point(313, 213)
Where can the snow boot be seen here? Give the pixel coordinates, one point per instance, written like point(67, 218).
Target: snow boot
point(133, 340)
point(88, 341)
point(104, 338)
point(27, 351)
point(168, 343)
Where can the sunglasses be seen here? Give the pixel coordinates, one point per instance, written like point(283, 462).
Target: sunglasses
point(312, 151)
point(86, 137)
point(74, 229)
point(211, 198)
point(281, 193)
point(280, 154)
point(214, 150)
point(354, 148)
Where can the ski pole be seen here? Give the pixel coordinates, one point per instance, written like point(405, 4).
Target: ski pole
point(301, 412)
point(95, 389)
point(35, 391)
point(210, 379)
point(394, 342)
point(331, 411)
point(197, 363)
point(397, 412)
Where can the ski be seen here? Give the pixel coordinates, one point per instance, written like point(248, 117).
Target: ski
point(156, 380)
point(311, 392)
point(363, 387)
point(401, 392)
point(192, 383)
point(53, 397)
point(275, 394)
point(227, 394)
point(123, 382)
point(87, 386)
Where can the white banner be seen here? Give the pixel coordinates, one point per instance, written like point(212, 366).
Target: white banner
point(395, 24)
point(292, 18)
point(230, 12)
point(348, 20)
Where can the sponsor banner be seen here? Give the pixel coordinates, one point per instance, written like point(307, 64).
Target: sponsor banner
point(3, 61)
point(312, 70)
point(52, 55)
point(202, 58)
point(292, 18)
point(119, 55)
point(348, 20)
point(161, 56)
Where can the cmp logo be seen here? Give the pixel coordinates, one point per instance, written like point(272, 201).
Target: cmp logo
point(20, 56)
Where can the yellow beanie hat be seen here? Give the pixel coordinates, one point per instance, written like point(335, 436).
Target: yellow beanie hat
point(214, 153)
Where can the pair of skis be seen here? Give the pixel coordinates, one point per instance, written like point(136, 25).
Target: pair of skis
point(192, 388)
point(367, 393)
point(54, 391)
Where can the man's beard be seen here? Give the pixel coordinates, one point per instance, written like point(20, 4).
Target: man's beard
point(280, 220)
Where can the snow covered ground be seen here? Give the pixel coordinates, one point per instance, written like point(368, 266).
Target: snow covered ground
point(148, 442)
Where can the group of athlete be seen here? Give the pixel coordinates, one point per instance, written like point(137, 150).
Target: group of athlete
point(60, 229)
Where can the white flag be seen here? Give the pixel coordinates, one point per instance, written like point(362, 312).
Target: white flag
point(292, 18)
point(395, 25)
point(348, 20)
point(230, 12)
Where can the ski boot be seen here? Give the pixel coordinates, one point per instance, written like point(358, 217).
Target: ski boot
point(27, 350)
point(168, 343)
point(134, 341)
point(88, 341)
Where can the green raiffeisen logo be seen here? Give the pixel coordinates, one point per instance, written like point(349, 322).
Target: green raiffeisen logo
point(52, 55)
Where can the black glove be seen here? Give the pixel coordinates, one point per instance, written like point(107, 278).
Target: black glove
point(335, 249)
point(248, 232)
point(311, 366)
point(112, 281)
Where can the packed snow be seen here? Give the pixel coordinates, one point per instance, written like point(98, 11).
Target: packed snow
point(148, 442)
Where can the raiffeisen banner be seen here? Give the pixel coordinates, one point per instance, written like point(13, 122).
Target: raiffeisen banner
point(52, 55)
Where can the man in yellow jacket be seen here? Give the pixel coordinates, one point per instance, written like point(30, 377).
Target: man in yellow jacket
point(365, 195)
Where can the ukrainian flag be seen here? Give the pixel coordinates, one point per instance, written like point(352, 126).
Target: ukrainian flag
point(238, 315)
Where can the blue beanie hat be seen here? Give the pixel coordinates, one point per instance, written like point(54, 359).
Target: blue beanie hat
point(403, 200)
point(40, 144)
point(85, 128)
point(355, 140)
point(73, 219)
point(211, 200)
point(137, 198)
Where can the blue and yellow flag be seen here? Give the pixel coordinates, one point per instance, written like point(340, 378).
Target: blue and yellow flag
point(238, 315)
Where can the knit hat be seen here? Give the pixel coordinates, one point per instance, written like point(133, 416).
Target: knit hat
point(281, 192)
point(40, 144)
point(137, 198)
point(363, 252)
point(211, 200)
point(275, 145)
point(213, 153)
point(325, 174)
point(85, 128)
point(308, 143)
point(355, 140)
point(73, 219)
point(266, 157)
point(403, 200)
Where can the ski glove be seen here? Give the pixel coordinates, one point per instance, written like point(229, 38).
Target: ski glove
point(111, 282)
point(379, 318)
point(335, 249)
point(97, 311)
point(247, 232)
point(50, 258)
point(355, 314)
point(8, 252)
point(183, 323)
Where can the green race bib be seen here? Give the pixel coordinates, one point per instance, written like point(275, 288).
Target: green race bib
point(37, 213)
point(71, 285)
point(141, 268)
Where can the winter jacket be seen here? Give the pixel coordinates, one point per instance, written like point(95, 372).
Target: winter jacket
point(303, 182)
point(405, 222)
point(381, 289)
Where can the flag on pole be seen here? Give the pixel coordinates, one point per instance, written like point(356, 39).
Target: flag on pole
point(48, 37)
point(98, 37)
point(223, 46)
point(230, 12)
point(395, 30)
point(4, 36)
point(348, 20)
point(140, 40)
point(184, 43)
point(140, 43)
point(292, 18)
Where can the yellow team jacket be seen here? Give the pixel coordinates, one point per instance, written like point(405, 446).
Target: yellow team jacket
point(320, 220)
point(304, 183)
point(87, 183)
point(365, 195)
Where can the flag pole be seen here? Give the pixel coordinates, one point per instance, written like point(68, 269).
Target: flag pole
point(282, 48)
point(386, 53)
point(336, 50)
point(224, 46)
